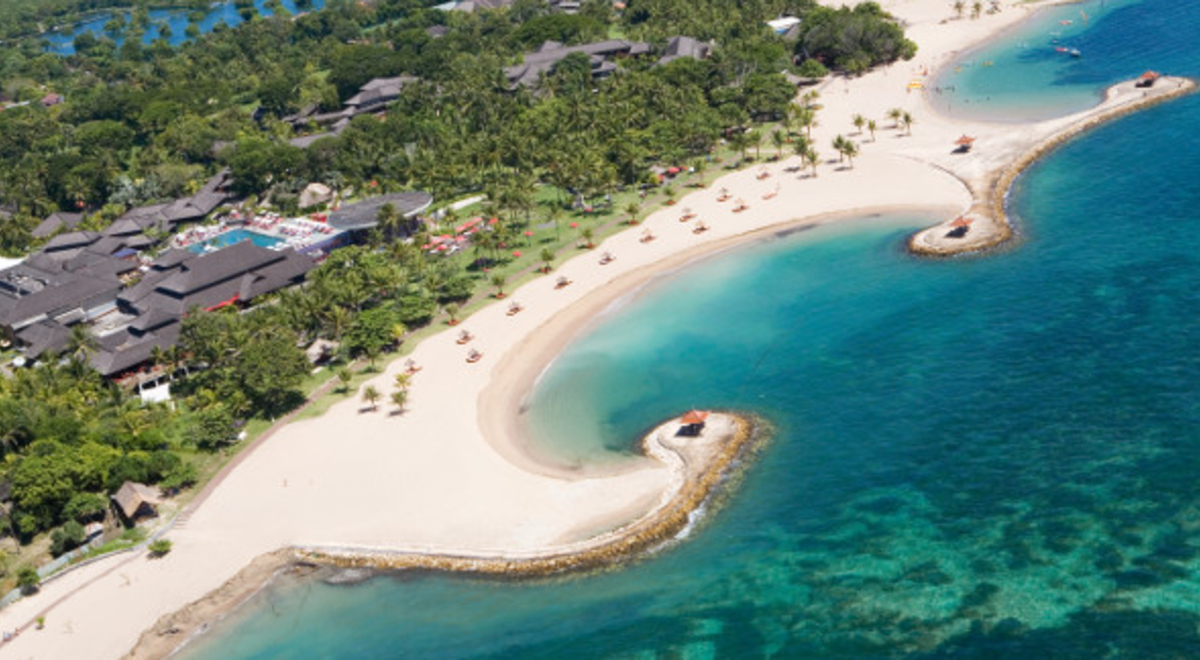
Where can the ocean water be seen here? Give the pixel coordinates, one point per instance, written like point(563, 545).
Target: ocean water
point(62, 42)
point(1022, 75)
point(973, 458)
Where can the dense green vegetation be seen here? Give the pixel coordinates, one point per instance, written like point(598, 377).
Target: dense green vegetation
point(143, 124)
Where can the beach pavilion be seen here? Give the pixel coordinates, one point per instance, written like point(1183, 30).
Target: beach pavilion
point(693, 422)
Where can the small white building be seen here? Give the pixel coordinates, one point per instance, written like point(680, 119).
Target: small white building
point(784, 23)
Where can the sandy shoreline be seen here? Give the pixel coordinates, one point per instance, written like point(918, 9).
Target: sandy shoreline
point(450, 484)
point(701, 463)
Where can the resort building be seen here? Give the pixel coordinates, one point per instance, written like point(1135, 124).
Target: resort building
point(371, 98)
point(600, 54)
point(150, 313)
point(364, 215)
point(57, 221)
point(684, 47)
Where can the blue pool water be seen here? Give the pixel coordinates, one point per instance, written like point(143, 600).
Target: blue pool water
point(235, 236)
point(991, 457)
point(63, 42)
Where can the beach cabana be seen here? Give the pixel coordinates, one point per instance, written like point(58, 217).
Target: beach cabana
point(959, 227)
point(1148, 79)
point(692, 423)
point(137, 500)
point(964, 144)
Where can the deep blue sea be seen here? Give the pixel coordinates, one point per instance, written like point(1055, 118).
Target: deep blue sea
point(62, 42)
point(991, 457)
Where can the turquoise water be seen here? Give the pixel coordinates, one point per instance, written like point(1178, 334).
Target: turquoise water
point(1022, 76)
point(235, 236)
point(221, 13)
point(974, 458)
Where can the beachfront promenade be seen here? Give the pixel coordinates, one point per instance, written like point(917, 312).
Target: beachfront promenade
point(452, 476)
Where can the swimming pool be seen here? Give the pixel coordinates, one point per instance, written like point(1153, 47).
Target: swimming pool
point(235, 236)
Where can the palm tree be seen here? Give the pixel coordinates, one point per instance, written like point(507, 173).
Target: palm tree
point(839, 145)
point(859, 121)
point(633, 209)
point(812, 159)
point(871, 126)
point(344, 375)
point(547, 256)
point(907, 119)
point(498, 282)
point(976, 9)
point(399, 399)
point(851, 150)
point(556, 214)
point(81, 344)
point(588, 234)
point(806, 118)
point(403, 381)
point(778, 139)
point(451, 310)
point(895, 114)
point(754, 138)
point(959, 7)
point(371, 396)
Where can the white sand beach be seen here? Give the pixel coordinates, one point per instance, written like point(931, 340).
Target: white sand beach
point(452, 474)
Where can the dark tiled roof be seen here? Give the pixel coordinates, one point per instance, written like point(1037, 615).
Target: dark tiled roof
point(379, 91)
point(681, 46)
point(307, 141)
point(364, 214)
point(123, 227)
point(550, 53)
point(69, 240)
point(56, 221)
point(42, 337)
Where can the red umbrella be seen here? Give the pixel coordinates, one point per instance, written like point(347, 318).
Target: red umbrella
point(574, 225)
point(528, 234)
point(517, 254)
point(672, 170)
point(695, 417)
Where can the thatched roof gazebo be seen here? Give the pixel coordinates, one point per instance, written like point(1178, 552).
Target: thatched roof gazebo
point(137, 500)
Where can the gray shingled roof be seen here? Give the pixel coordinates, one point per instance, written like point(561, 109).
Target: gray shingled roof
point(42, 337)
point(364, 214)
point(70, 240)
point(680, 47)
point(56, 221)
point(550, 53)
point(379, 91)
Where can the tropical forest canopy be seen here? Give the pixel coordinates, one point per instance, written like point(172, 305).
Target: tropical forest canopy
point(141, 124)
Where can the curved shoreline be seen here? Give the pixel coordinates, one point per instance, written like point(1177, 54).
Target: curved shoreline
point(562, 318)
point(700, 466)
point(990, 207)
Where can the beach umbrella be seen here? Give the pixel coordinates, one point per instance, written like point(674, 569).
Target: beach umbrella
point(962, 221)
point(695, 417)
point(965, 141)
point(574, 225)
point(516, 254)
point(672, 170)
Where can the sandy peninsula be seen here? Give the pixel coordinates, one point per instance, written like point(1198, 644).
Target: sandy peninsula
point(451, 478)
